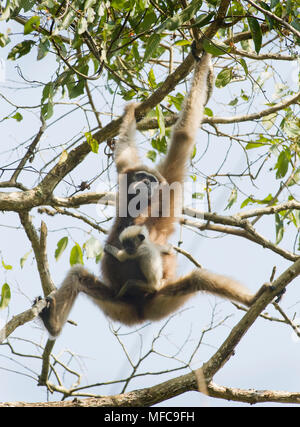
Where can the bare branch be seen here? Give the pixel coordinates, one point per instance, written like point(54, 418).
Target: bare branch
point(40, 251)
point(21, 319)
point(252, 396)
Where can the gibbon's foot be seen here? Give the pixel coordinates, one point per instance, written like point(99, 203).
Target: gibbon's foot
point(135, 288)
point(266, 287)
point(280, 295)
point(45, 313)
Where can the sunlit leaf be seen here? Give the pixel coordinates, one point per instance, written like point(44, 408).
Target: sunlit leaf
point(5, 296)
point(93, 247)
point(93, 143)
point(232, 198)
point(6, 266)
point(24, 258)
point(76, 256)
point(61, 246)
point(32, 24)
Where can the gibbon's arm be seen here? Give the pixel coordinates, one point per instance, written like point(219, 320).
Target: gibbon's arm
point(126, 154)
point(173, 167)
point(120, 254)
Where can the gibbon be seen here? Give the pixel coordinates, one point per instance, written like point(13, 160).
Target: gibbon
point(138, 246)
point(131, 307)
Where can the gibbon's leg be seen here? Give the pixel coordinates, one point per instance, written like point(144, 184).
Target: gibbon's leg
point(61, 301)
point(126, 155)
point(174, 294)
point(173, 167)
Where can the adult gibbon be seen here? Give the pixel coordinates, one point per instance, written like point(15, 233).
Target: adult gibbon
point(136, 307)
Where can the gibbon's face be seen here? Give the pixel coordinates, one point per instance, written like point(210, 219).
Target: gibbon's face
point(132, 237)
point(144, 180)
point(132, 244)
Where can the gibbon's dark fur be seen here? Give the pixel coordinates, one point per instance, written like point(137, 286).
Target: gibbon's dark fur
point(131, 308)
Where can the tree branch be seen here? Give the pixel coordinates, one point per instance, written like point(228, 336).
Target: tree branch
point(40, 251)
point(275, 17)
point(21, 319)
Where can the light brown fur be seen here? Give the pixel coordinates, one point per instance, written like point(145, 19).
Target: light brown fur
point(136, 308)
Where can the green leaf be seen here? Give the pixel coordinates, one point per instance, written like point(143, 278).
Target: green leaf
point(61, 246)
point(93, 248)
point(193, 155)
point(151, 79)
point(93, 143)
point(203, 19)
point(47, 92)
point(244, 65)
point(208, 112)
point(6, 266)
point(76, 256)
point(32, 24)
point(274, 3)
point(151, 155)
point(47, 110)
point(269, 121)
point(256, 33)
point(20, 49)
point(247, 201)
point(198, 196)
point(43, 48)
point(234, 102)
point(5, 296)
point(224, 77)
point(77, 88)
point(215, 49)
point(279, 225)
point(4, 40)
point(151, 46)
point(292, 128)
point(24, 258)
point(182, 43)
point(177, 20)
point(18, 116)
point(176, 100)
point(5, 14)
point(282, 164)
point(295, 179)
point(232, 198)
point(161, 121)
point(160, 144)
point(251, 145)
point(82, 25)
